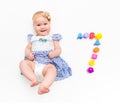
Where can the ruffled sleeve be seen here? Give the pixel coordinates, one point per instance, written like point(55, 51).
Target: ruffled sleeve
point(56, 37)
point(29, 36)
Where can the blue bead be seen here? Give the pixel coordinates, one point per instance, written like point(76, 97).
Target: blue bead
point(97, 43)
point(80, 36)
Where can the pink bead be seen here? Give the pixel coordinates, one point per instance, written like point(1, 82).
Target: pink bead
point(94, 56)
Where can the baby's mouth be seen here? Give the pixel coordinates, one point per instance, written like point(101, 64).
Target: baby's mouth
point(42, 30)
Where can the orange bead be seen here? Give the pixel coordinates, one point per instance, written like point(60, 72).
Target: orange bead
point(96, 49)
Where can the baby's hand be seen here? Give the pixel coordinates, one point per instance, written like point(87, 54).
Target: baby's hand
point(30, 56)
point(51, 54)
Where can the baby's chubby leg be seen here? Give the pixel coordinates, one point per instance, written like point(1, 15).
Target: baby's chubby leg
point(49, 73)
point(27, 68)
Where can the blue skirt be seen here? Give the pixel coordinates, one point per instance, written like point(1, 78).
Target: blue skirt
point(63, 69)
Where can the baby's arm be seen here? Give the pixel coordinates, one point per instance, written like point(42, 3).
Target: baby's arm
point(28, 52)
point(57, 50)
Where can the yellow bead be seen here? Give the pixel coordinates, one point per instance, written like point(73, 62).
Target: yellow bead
point(98, 36)
point(91, 62)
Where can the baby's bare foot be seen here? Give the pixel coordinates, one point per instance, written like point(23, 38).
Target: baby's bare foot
point(42, 89)
point(34, 83)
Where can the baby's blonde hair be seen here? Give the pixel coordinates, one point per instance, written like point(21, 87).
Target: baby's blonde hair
point(43, 14)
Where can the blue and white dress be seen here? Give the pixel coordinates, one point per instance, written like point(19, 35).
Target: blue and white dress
point(41, 46)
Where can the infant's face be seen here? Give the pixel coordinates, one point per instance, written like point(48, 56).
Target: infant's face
point(41, 26)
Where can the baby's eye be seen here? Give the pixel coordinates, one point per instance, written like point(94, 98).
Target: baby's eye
point(38, 24)
point(45, 23)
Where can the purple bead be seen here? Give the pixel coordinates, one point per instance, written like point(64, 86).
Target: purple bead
point(90, 70)
point(85, 35)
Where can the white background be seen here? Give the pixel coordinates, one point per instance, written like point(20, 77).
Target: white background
point(69, 17)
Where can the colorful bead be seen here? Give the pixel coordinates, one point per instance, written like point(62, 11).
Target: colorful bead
point(80, 36)
point(97, 43)
point(94, 56)
point(91, 62)
point(92, 35)
point(96, 50)
point(90, 70)
point(98, 36)
point(85, 35)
